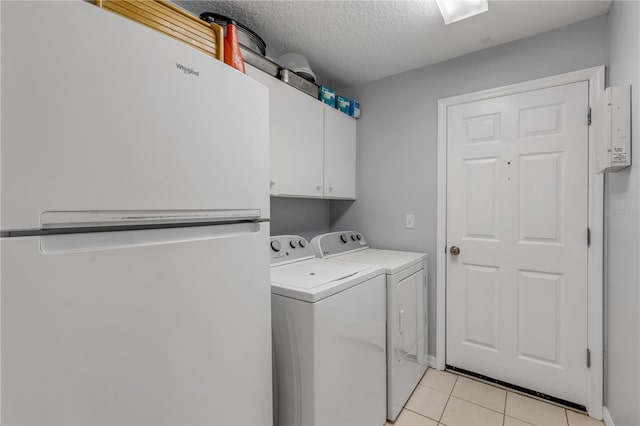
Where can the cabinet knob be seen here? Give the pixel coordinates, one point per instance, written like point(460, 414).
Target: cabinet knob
point(318, 188)
point(271, 183)
point(331, 188)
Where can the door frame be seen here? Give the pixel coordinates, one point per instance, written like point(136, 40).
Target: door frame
point(596, 78)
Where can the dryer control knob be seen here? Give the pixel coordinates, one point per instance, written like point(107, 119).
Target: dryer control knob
point(344, 238)
point(293, 245)
point(359, 237)
point(275, 245)
point(301, 243)
point(353, 237)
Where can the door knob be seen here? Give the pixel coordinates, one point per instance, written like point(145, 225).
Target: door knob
point(454, 250)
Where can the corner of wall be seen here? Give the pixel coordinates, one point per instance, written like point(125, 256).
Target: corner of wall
point(622, 244)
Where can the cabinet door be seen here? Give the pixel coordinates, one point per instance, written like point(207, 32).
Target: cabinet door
point(296, 145)
point(271, 83)
point(297, 141)
point(339, 155)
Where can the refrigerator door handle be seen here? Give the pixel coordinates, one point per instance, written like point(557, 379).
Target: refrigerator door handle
point(95, 241)
point(100, 218)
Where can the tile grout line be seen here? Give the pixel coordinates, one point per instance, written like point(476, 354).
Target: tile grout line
point(426, 387)
point(513, 416)
point(476, 404)
point(504, 412)
point(443, 410)
point(410, 396)
point(516, 392)
point(433, 387)
point(507, 392)
point(415, 412)
point(448, 399)
point(419, 414)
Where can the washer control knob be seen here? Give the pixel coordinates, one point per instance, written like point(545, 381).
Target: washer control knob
point(353, 237)
point(293, 245)
point(344, 238)
point(275, 245)
point(359, 237)
point(301, 243)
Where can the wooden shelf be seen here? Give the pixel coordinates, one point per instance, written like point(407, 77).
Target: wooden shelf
point(169, 19)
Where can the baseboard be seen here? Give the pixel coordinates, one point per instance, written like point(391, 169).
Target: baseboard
point(430, 360)
point(606, 417)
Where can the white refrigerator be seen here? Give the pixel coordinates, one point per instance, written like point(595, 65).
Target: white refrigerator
point(134, 226)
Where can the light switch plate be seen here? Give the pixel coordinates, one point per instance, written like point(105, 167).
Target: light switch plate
point(410, 221)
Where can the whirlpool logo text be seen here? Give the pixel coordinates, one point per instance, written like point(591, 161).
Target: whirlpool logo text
point(187, 70)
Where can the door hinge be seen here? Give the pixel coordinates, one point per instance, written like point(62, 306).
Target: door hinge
point(588, 237)
point(588, 358)
point(589, 116)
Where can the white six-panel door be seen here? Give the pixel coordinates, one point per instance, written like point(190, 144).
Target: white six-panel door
point(517, 186)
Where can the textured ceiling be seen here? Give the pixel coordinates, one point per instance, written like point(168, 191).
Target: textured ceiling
point(353, 42)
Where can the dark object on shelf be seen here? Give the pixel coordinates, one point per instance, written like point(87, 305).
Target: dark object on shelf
point(246, 36)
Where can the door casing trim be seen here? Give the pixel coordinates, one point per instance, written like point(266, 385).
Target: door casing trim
point(596, 78)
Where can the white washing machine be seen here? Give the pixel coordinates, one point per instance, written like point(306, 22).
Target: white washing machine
point(406, 308)
point(329, 338)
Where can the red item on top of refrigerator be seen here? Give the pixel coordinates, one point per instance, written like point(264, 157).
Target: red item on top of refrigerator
point(232, 54)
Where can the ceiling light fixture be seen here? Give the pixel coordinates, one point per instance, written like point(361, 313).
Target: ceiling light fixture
point(457, 10)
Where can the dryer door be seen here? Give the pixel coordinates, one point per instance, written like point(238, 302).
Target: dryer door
point(409, 313)
point(405, 339)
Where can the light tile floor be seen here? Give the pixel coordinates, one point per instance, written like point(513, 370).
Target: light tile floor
point(443, 398)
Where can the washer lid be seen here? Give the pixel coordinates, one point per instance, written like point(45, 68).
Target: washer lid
point(313, 280)
point(393, 261)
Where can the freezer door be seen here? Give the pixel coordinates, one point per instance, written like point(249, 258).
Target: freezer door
point(100, 113)
point(148, 327)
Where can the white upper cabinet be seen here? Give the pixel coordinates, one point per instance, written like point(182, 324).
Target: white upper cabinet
point(296, 133)
point(339, 155)
point(297, 142)
point(313, 146)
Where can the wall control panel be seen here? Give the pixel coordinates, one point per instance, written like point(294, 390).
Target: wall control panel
point(613, 118)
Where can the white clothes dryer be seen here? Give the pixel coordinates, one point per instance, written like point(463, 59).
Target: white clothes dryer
point(329, 338)
point(406, 308)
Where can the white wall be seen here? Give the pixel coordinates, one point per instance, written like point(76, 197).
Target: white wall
point(397, 134)
point(622, 230)
point(299, 216)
